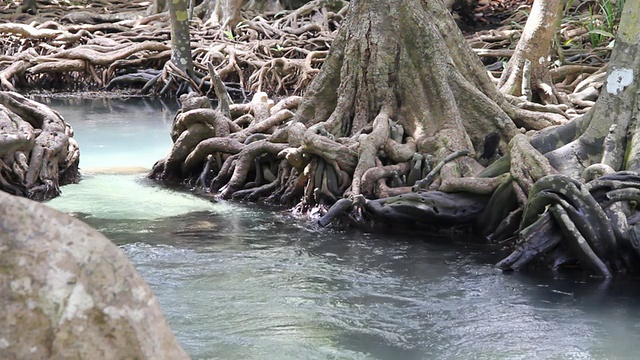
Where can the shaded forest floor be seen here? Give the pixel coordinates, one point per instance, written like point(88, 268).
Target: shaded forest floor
point(118, 47)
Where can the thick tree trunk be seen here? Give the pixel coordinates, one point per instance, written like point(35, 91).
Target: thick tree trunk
point(264, 6)
point(399, 92)
point(158, 6)
point(394, 69)
point(409, 91)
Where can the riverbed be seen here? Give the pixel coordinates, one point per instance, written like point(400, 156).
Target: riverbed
point(239, 281)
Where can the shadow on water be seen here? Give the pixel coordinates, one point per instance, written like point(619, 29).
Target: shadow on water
point(246, 282)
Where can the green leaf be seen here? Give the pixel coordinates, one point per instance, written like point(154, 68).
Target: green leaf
point(229, 34)
point(601, 33)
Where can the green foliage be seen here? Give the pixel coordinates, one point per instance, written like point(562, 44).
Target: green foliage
point(598, 36)
point(599, 17)
point(619, 7)
point(603, 21)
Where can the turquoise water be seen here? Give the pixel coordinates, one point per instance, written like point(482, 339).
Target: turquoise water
point(246, 282)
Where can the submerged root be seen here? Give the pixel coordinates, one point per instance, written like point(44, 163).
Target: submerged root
point(596, 222)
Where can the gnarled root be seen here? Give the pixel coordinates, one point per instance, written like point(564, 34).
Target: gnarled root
point(542, 236)
point(596, 221)
point(338, 209)
point(429, 208)
point(28, 127)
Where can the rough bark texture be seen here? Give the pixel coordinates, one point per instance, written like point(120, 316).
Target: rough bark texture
point(69, 293)
point(388, 60)
point(393, 91)
point(158, 6)
point(264, 6)
point(28, 6)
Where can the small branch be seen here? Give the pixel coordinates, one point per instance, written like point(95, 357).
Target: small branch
point(224, 99)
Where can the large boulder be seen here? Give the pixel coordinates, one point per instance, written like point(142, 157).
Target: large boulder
point(67, 292)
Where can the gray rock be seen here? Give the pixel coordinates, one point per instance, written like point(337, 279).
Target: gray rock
point(67, 292)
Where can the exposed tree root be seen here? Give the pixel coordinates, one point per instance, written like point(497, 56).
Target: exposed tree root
point(362, 154)
point(374, 124)
point(37, 151)
point(276, 54)
point(121, 49)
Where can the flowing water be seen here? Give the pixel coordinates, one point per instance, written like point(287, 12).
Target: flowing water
point(245, 282)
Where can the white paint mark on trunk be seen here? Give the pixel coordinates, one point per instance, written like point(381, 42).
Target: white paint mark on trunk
point(618, 80)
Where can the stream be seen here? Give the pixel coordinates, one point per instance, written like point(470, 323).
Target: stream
point(239, 281)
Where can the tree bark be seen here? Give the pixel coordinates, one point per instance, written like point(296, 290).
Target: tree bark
point(180, 36)
point(158, 6)
point(37, 151)
point(264, 6)
point(527, 71)
point(609, 130)
point(395, 64)
point(225, 14)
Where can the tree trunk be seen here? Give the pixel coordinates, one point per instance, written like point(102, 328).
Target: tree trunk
point(293, 4)
point(403, 63)
point(158, 6)
point(264, 6)
point(225, 14)
point(410, 93)
point(608, 133)
point(180, 36)
point(527, 72)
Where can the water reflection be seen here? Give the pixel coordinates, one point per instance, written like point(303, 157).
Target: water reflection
point(239, 282)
